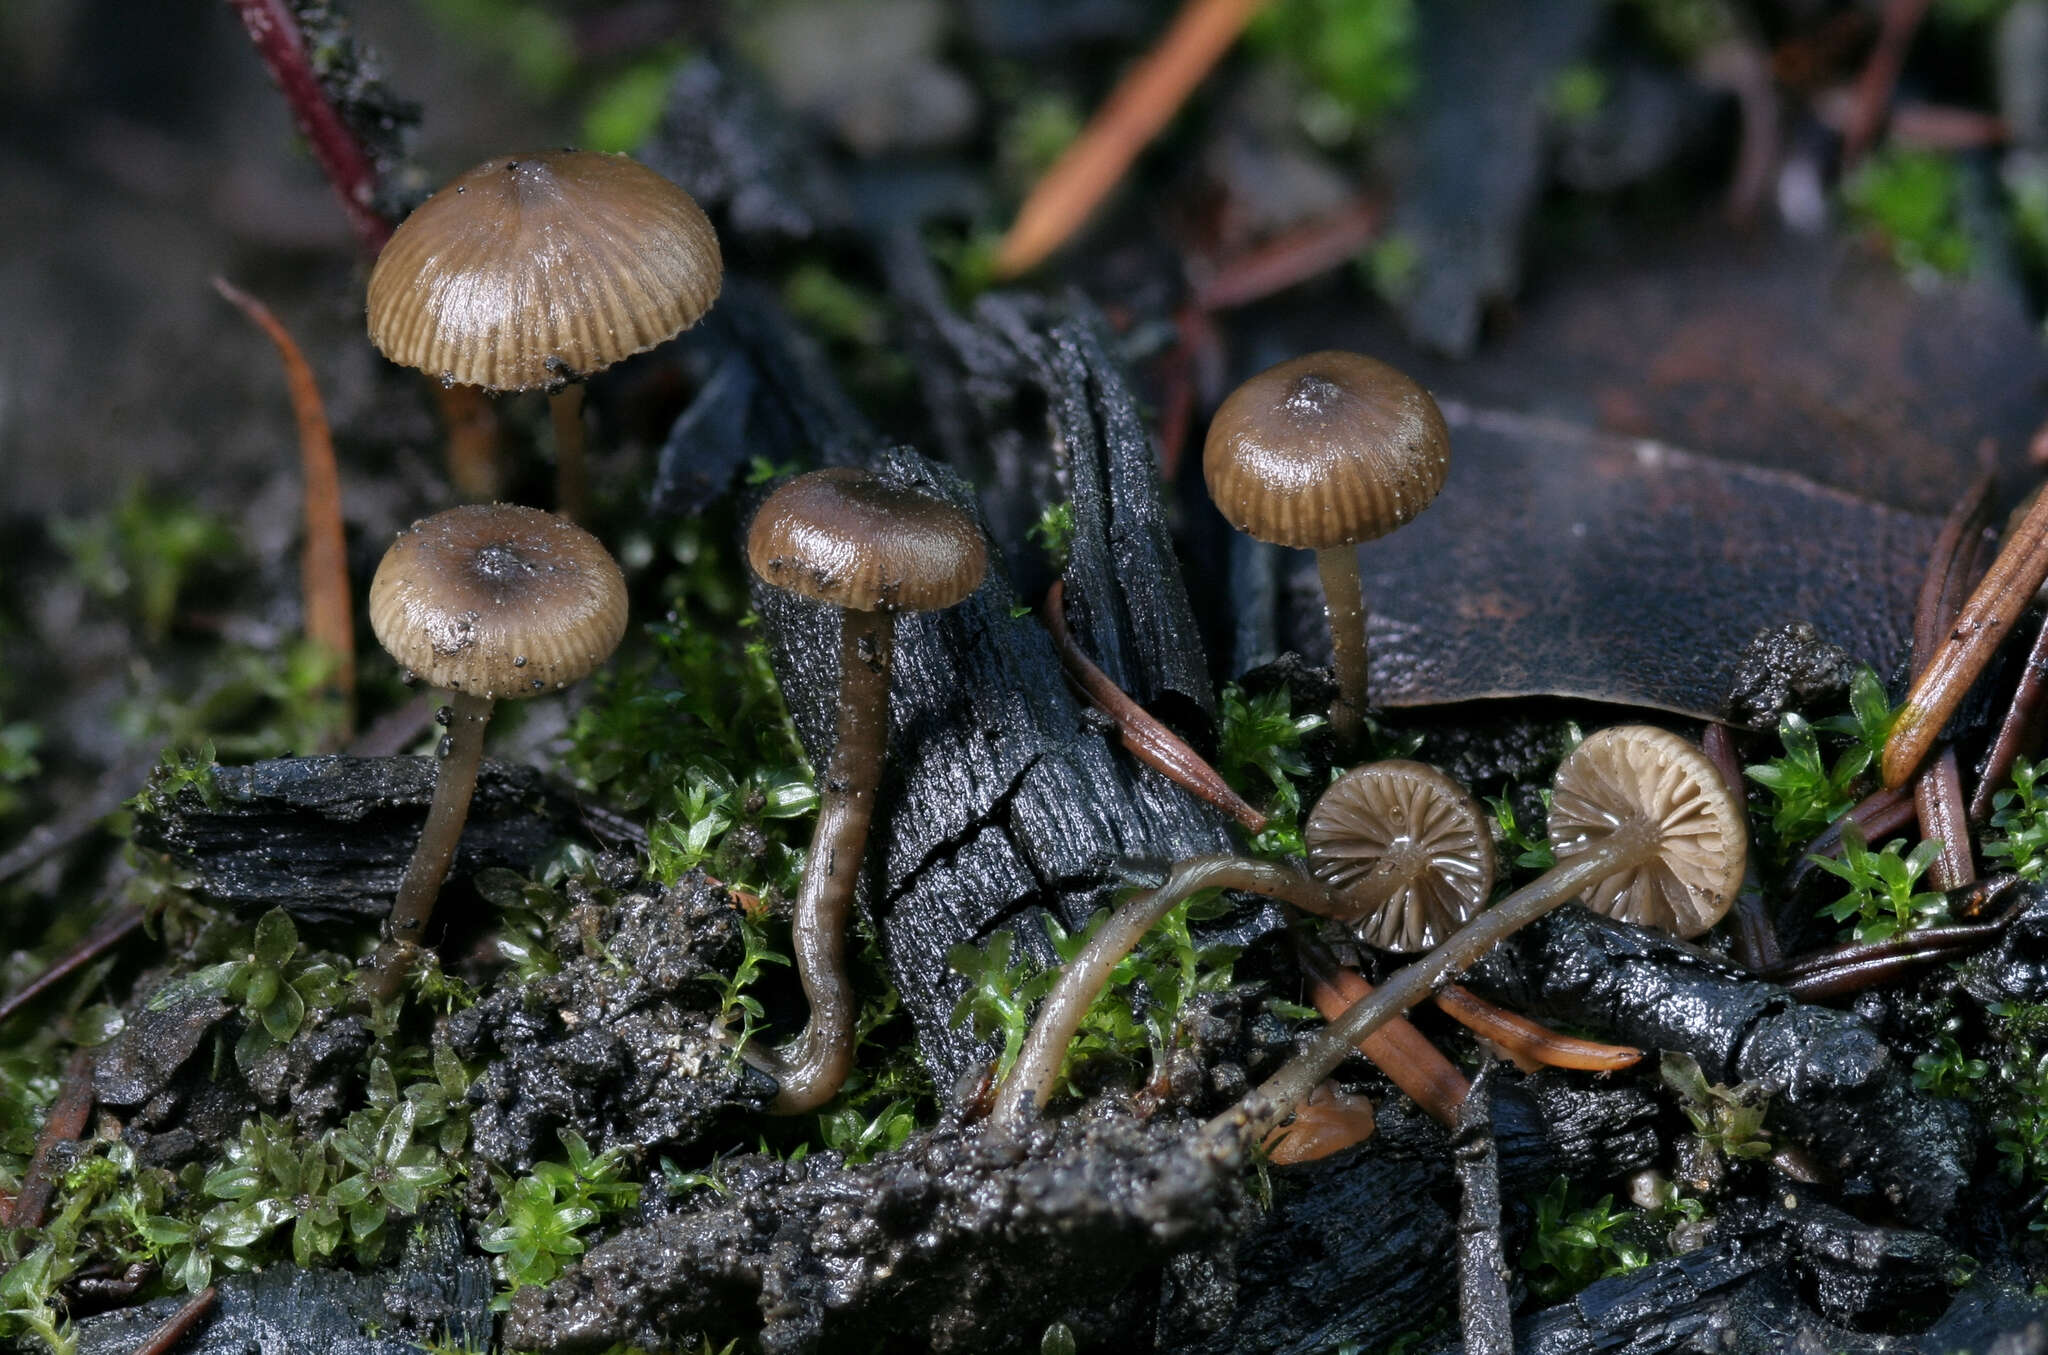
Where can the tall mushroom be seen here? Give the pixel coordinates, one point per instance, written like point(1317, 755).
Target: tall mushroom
point(488, 602)
point(870, 548)
point(1322, 453)
point(1649, 833)
point(533, 271)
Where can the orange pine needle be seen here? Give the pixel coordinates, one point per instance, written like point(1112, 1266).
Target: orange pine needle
point(1526, 1042)
point(1143, 102)
point(323, 568)
point(1399, 1050)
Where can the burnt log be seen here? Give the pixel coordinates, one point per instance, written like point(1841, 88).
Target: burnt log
point(1835, 1086)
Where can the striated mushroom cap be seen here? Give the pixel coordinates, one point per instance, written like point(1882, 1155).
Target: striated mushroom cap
point(498, 601)
point(1638, 777)
point(848, 537)
point(1329, 449)
point(1406, 849)
point(531, 270)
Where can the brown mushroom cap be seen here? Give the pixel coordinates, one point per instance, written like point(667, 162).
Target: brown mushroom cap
point(848, 537)
point(1406, 848)
point(1638, 774)
point(498, 601)
point(1326, 450)
point(533, 269)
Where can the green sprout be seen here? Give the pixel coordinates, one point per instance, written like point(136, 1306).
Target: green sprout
point(1807, 791)
point(2019, 822)
point(1570, 1247)
point(1730, 1120)
point(540, 1217)
point(270, 987)
point(1914, 200)
point(1883, 900)
point(1532, 852)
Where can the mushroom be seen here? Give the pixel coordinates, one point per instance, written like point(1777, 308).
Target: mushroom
point(487, 602)
point(1321, 453)
point(1405, 849)
point(849, 538)
point(533, 271)
point(1648, 831)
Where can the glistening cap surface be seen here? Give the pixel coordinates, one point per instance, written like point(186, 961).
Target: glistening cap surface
point(1325, 450)
point(1405, 848)
point(533, 269)
point(1641, 775)
point(498, 600)
point(848, 537)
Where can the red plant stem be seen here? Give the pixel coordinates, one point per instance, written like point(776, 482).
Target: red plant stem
point(1938, 788)
point(173, 1328)
point(102, 939)
point(1881, 75)
point(274, 28)
point(1527, 1042)
point(323, 565)
point(1756, 937)
point(1292, 257)
point(1142, 103)
point(1151, 742)
point(64, 1124)
point(1982, 625)
point(2019, 733)
point(1931, 941)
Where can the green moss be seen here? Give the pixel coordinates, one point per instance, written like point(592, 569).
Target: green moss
point(1357, 55)
point(1574, 1243)
point(537, 1226)
point(1259, 752)
point(1912, 199)
point(625, 108)
point(143, 554)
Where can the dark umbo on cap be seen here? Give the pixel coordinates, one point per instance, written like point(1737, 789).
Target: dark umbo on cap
point(533, 269)
point(498, 600)
point(848, 537)
point(1329, 449)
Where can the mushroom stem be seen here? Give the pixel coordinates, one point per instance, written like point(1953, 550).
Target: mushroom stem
point(1030, 1083)
point(461, 752)
point(812, 1068)
point(1344, 600)
point(572, 479)
point(1632, 844)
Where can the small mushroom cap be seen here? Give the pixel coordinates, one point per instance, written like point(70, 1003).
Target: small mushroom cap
point(848, 537)
point(498, 600)
point(1326, 450)
point(1406, 848)
point(1633, 775)
point(531, 270)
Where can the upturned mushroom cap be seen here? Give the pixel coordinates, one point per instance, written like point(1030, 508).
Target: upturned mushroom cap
point(498, 600)
point(1406, 848)
point(533, 269)
point(1325, 450)
point(1640, 775)
point(848, 537)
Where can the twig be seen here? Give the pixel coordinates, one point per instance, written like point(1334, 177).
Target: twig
point(1141, 104)
point(323, 567)
point(1526, 1041)
point(1756, 936)
point(1938, 789)
point(1485, 1311)
point(173, 1328)
point(2019, 732)
point(98, 942)
point(1881, 75)
point(1399, 1050)
point(274, 28)
point(1293, 257)
point(1984, 622)
point(65, 1123)
point(1151, 742)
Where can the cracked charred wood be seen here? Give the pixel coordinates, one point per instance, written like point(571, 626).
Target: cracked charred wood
point(1358, 1247)
point(439, 1294)
point(955, 1242)
point(623, 1043)
point(327, 838)
point(768, 393)
point(1484, 1307)
point(1000, 794)
point(1787, 1273)
point(1836, 1088)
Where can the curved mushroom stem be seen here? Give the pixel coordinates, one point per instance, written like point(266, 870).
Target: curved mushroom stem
point(1030, 1083)
point(1274, 1099)
point(572, 479)
point(812, 1067)
point(1344, 600)
point(454, 784)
